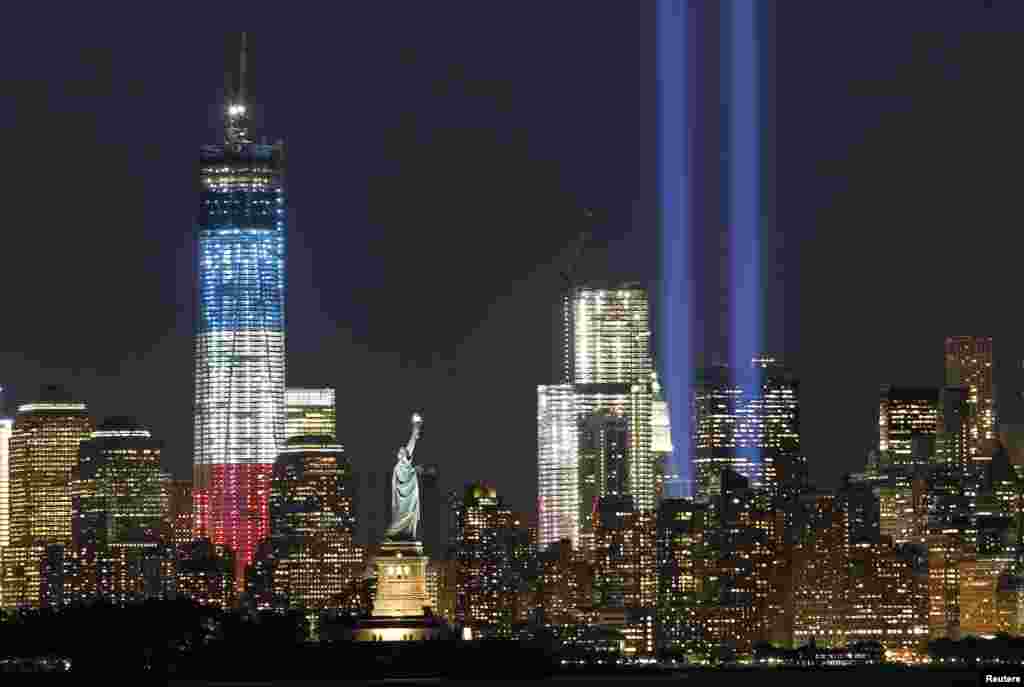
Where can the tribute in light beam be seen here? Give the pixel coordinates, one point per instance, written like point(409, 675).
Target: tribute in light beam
point(676, 317)
point(740, 28)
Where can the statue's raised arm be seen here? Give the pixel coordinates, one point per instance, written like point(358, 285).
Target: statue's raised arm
point(417, 426)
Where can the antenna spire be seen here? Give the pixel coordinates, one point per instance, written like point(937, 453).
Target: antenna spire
point(241, 70)
point(236, 118)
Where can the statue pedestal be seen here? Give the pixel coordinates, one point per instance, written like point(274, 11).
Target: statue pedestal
point(401, 580)
point(400, 610)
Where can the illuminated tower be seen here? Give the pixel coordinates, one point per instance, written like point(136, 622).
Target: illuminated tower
point(606, 335)
point(557, 465)
point(480, 527)
point(44, 453)
point(608, 380)
point(311, 412)
point(747, 430)
point(665, 470)
point(607, 359)
point(119, 487)
point(969, 364)
point(6, 425)
point(908, 420)
point(118, 503)
point(312, 522)
point(239, 413)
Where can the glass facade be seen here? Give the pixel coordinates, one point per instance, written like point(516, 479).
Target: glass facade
point(312, 516)
point(44, 453)
point(603, 466)
point(118, 487)
point(557, 465)
point(607, 335)
point(44, 446)
point(666, 471)
point(482, 523)
point(741, 430)
point(608, 372)
point(609, 362)
point(969, 364)
point(6, 425)
point(311, 412)
point(239, 421)
point(118, 504)
point(908, 419)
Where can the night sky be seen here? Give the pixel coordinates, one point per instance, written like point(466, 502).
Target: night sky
point(439, 160)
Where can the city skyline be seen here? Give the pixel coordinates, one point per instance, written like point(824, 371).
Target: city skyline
point(591, 344)
point(155, 354)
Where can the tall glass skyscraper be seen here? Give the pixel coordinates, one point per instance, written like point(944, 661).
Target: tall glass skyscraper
point(750, 432)
point(969, 364)
point(557, 465)
point(118, 501)
point(601, 412)
point(312, 523)
point(117, 490)
point(240, 344)
point(43, 454)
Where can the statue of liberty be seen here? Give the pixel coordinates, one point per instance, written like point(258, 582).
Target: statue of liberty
point(405, 489)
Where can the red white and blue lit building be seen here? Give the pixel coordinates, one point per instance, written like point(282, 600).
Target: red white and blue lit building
point(239, 408)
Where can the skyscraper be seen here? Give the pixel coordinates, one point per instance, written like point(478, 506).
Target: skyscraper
point(311, 412)
point(608, 361)
point(745, 430)
point(6, 425)
point(44, 453)
point(312, 511)
point(606, 334)
point(607, 373)
point(239, 413)
point(908, 420)
point(557, 465)
point(969, 364)
point(665, 471)
point(118, 487)
point(479, 542)
point(118, 504)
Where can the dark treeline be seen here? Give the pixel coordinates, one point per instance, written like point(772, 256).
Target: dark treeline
point(185, 640)
point(135, 636)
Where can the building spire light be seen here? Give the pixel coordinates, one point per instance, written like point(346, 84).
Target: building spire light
point(236, 120)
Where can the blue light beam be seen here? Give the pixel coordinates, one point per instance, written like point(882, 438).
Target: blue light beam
point(676, 317)
point(739, 17)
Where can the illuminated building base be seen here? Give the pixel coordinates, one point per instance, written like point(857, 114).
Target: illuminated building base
point(401, 581)
point(231, 508)
point(401, 611)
